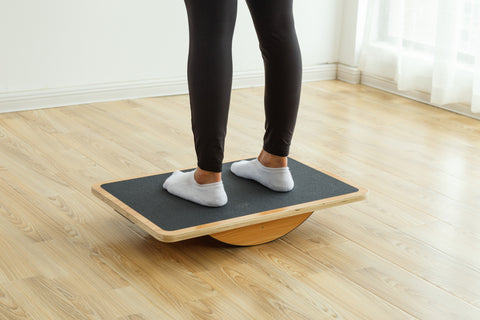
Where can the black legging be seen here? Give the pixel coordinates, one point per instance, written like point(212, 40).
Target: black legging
point(211, 26)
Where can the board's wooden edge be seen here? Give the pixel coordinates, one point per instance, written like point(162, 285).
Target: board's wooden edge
point(132, 215)
point(262, 217)
point(229, 224)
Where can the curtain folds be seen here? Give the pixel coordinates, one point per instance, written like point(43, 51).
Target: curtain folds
point(431, 46)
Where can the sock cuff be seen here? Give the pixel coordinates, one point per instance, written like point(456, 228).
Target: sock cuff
point(209, 185)
point(205, 185)
point(261, 166)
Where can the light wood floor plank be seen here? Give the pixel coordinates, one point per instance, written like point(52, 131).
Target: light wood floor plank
point(414, 255)
point(407, 252)
point(420, 299)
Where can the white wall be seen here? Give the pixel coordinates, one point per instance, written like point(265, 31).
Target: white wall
point(352, 25)
point(347, 53)
point(62, 52)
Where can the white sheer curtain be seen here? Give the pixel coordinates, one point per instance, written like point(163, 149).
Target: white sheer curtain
point(431, 46)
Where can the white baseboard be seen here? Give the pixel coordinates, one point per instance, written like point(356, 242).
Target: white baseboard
point(312, 73)
point(348, 74)
point(56, 97)
point(320, 72)
point(390, 86)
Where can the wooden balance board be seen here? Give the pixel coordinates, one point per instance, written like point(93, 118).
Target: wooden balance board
point(253, 215)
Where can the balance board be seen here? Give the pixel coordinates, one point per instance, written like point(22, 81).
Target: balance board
point(253, 215)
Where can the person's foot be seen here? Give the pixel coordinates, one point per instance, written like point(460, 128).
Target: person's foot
point(269, 170)
point(185, 185)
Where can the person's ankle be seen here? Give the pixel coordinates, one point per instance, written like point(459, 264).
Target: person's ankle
point(203, 176)
point(272, 161)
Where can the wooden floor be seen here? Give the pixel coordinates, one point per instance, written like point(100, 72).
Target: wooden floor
point(411, 251)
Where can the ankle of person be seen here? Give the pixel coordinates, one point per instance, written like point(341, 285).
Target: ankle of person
point(204, 177)
point(272, 161)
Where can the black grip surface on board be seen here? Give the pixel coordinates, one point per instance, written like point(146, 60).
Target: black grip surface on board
point(146, 196)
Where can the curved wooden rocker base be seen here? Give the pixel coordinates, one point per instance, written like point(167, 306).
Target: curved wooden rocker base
point(262, 232)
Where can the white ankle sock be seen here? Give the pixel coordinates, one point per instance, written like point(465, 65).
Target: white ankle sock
point(183, 185)
point(277, 179)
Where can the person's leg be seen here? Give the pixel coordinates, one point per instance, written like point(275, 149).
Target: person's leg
point(274, 24)
point(209, 71)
